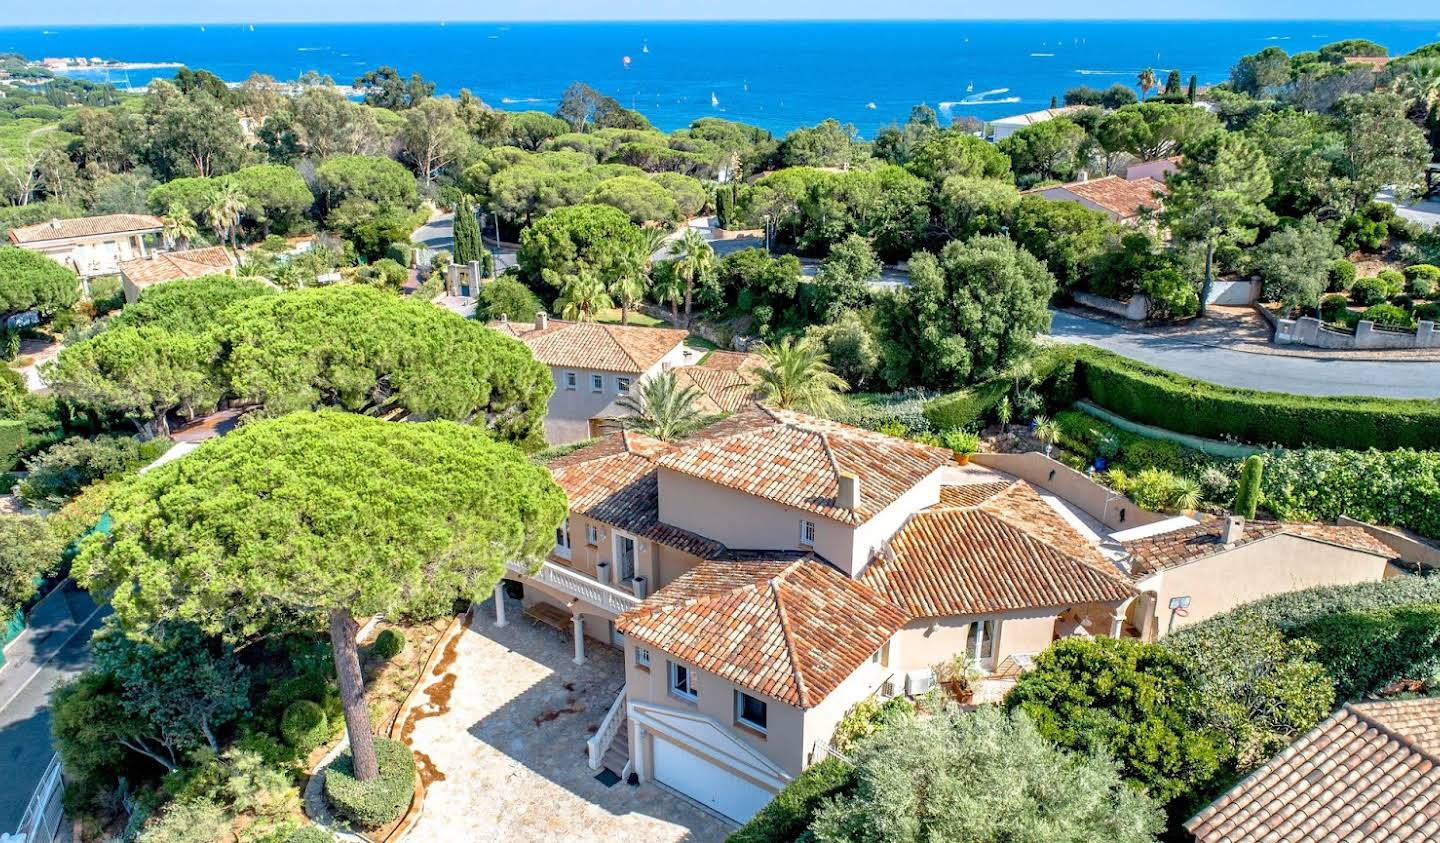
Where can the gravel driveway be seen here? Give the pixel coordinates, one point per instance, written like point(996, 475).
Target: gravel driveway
point(502, 746)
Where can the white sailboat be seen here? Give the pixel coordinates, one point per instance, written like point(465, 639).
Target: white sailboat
point(646, 48)
point(713, 100)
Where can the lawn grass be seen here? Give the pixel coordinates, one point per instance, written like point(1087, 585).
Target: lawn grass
point(612, 316)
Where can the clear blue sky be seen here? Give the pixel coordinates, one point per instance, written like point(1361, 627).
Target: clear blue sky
point(73, 12)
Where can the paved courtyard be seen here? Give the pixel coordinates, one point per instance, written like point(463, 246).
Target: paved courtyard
point(502, 746)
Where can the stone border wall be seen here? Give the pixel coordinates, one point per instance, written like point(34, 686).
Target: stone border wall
point(1135, 310)
point(1310, 331)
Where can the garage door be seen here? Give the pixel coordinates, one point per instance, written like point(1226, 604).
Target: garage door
point(716, 788)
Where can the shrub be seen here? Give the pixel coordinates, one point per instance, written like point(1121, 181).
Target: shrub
point(1341, 275)
point(401, 253)
point(1331, 307)
point(304, 726)
point(373, 803)
point(1390, 315)
point(1293, 610)
point(1154, 396)
point(1368, 291)
point(12, 441)
point(1171, 295)
point(962, 442)
point(1400, 487)
point(310, 834)
point(1394, 282)
point(192, 821)
point(1422, 280)
point(787, 817)
point(1051, 372)
point(1365, 651)
point(867, 717)
point(60, 472)
point(1404, 302)
point(388, 644)
point(1158, 490)
point(1429, 312)
point(1247, 494)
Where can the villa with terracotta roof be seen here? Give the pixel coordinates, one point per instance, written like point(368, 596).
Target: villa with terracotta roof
point(724, 381)
point(91, 246)
point(774, 569)
point(1369, 772)
point(1123, 200)
point(594, 364)
point(158, 267)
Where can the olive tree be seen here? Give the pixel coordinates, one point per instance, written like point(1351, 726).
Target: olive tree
point(317, 519)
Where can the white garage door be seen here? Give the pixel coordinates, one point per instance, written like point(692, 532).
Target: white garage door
point(716, 788)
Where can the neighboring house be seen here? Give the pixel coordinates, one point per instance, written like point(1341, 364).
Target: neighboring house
point(90, 245)
point(1159, 169)
point(593, 364)
point(158, 267)
point(1123, 200)
point(773, 570)
point(1007, 126)
point(1369, 772)
point(724, 382)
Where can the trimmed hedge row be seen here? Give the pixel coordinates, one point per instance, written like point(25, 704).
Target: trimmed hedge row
point(12, 442)
point(1154, 396)
point(788, 815)
point(1292, 610)
point(379, 801)
point(1051, 373)
point(1365, 651)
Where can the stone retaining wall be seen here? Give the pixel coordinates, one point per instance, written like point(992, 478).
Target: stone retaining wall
point(1308, 330)
point(1135, 310)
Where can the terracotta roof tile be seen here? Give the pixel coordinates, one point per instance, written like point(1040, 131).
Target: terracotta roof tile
point(1369, 772)
point(1121, 197)
point(592, 345)
point(172, 266)
point(614, 482)
point(85, 227)
point(789, 627)
point(994, 552)
point(1181, 547)
point(796, 460)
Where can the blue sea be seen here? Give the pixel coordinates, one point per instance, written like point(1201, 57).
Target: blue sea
point(778, 75)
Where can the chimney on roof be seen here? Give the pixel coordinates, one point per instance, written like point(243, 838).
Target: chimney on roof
point(542, 321)
point(54, 223)
point(1084, 176)
point(849, 497)
point(1232, 529)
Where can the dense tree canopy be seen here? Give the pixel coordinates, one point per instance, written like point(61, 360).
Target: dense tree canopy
point(188, 305)
point(978, 777)
point(574, 239)
point(28, 549)
point(32, 281)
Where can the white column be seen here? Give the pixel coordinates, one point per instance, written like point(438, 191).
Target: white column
point(637, 755)
point(579, 621)
point(500, 603)
point(1117, 618)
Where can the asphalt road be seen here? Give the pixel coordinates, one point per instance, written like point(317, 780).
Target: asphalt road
point(61, 651)
point(1273, 373)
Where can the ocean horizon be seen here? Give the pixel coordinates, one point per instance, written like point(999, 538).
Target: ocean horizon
point(775, 74)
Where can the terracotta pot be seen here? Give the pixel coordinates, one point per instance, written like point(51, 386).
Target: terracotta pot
point(962, 459)
point(958, 692)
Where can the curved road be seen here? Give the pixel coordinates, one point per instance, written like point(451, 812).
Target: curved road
point(1272, 373)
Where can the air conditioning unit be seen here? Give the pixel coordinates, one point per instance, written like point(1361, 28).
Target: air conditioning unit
point(918, 682)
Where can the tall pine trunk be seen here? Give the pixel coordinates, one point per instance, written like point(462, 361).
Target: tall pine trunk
point(352, 694)
point(1209, 275)
point(689, 294)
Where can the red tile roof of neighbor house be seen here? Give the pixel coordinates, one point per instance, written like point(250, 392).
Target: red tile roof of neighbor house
point(796, 460)
point(1121, 197)
point(613, 481)
point(786, 626)
point(1369, 772)
point(592, 345)
point(1181, 547)
point(173, 266)
point(82, 227)
point(995, 547)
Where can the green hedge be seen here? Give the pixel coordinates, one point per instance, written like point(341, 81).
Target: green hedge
point(304, 726)
point(1293, 610)
point(1050, 372)
point(379, 801)
point(787, 817)
point(1154, 396)
point(1365, 651)
point(12, 442)
point(1399, 488)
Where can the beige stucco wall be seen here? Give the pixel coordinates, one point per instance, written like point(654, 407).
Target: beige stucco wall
point(1115, 510)
point(820, 721)
point(567, 418)
point(1027, 631)
point(659, 564)
point(739, 520)
point(1251, 571)
point(783, 742)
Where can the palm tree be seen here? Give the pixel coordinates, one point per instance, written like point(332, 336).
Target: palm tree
point(224, 212)
point(1420, 80)
point(694, 259)
point(1147, 82)
point(669, 289)
point(583, 296)
point(663, 409)
point(178, 227)
point(796, 376)
point(632, 278)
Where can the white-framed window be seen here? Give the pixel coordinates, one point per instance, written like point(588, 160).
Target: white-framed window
point(562, 539)
point(592, 534)
point(750, 711)
point(597, 383)
point(642, 657)
point(807, 533)
point(682, 682)
point(622, 385)
point(572, 381)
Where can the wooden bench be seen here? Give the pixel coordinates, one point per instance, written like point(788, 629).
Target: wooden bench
point(552, 616)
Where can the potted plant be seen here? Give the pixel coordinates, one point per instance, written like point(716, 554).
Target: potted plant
point(1047, 431)
point(1106, 449)
point(964, 443)
point(958, 677)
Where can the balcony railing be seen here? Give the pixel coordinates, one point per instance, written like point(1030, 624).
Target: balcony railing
point(576, 584)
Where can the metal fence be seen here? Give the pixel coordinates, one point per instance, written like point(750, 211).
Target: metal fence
point(45, 814)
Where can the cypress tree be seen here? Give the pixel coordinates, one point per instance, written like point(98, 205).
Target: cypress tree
point(1172, 84)
point(723, 205)
point(1247, 493)
point(1054, 101)
point(1194, 84)
point(468, 246)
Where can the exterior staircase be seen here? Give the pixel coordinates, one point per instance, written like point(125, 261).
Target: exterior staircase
point(617, 754)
